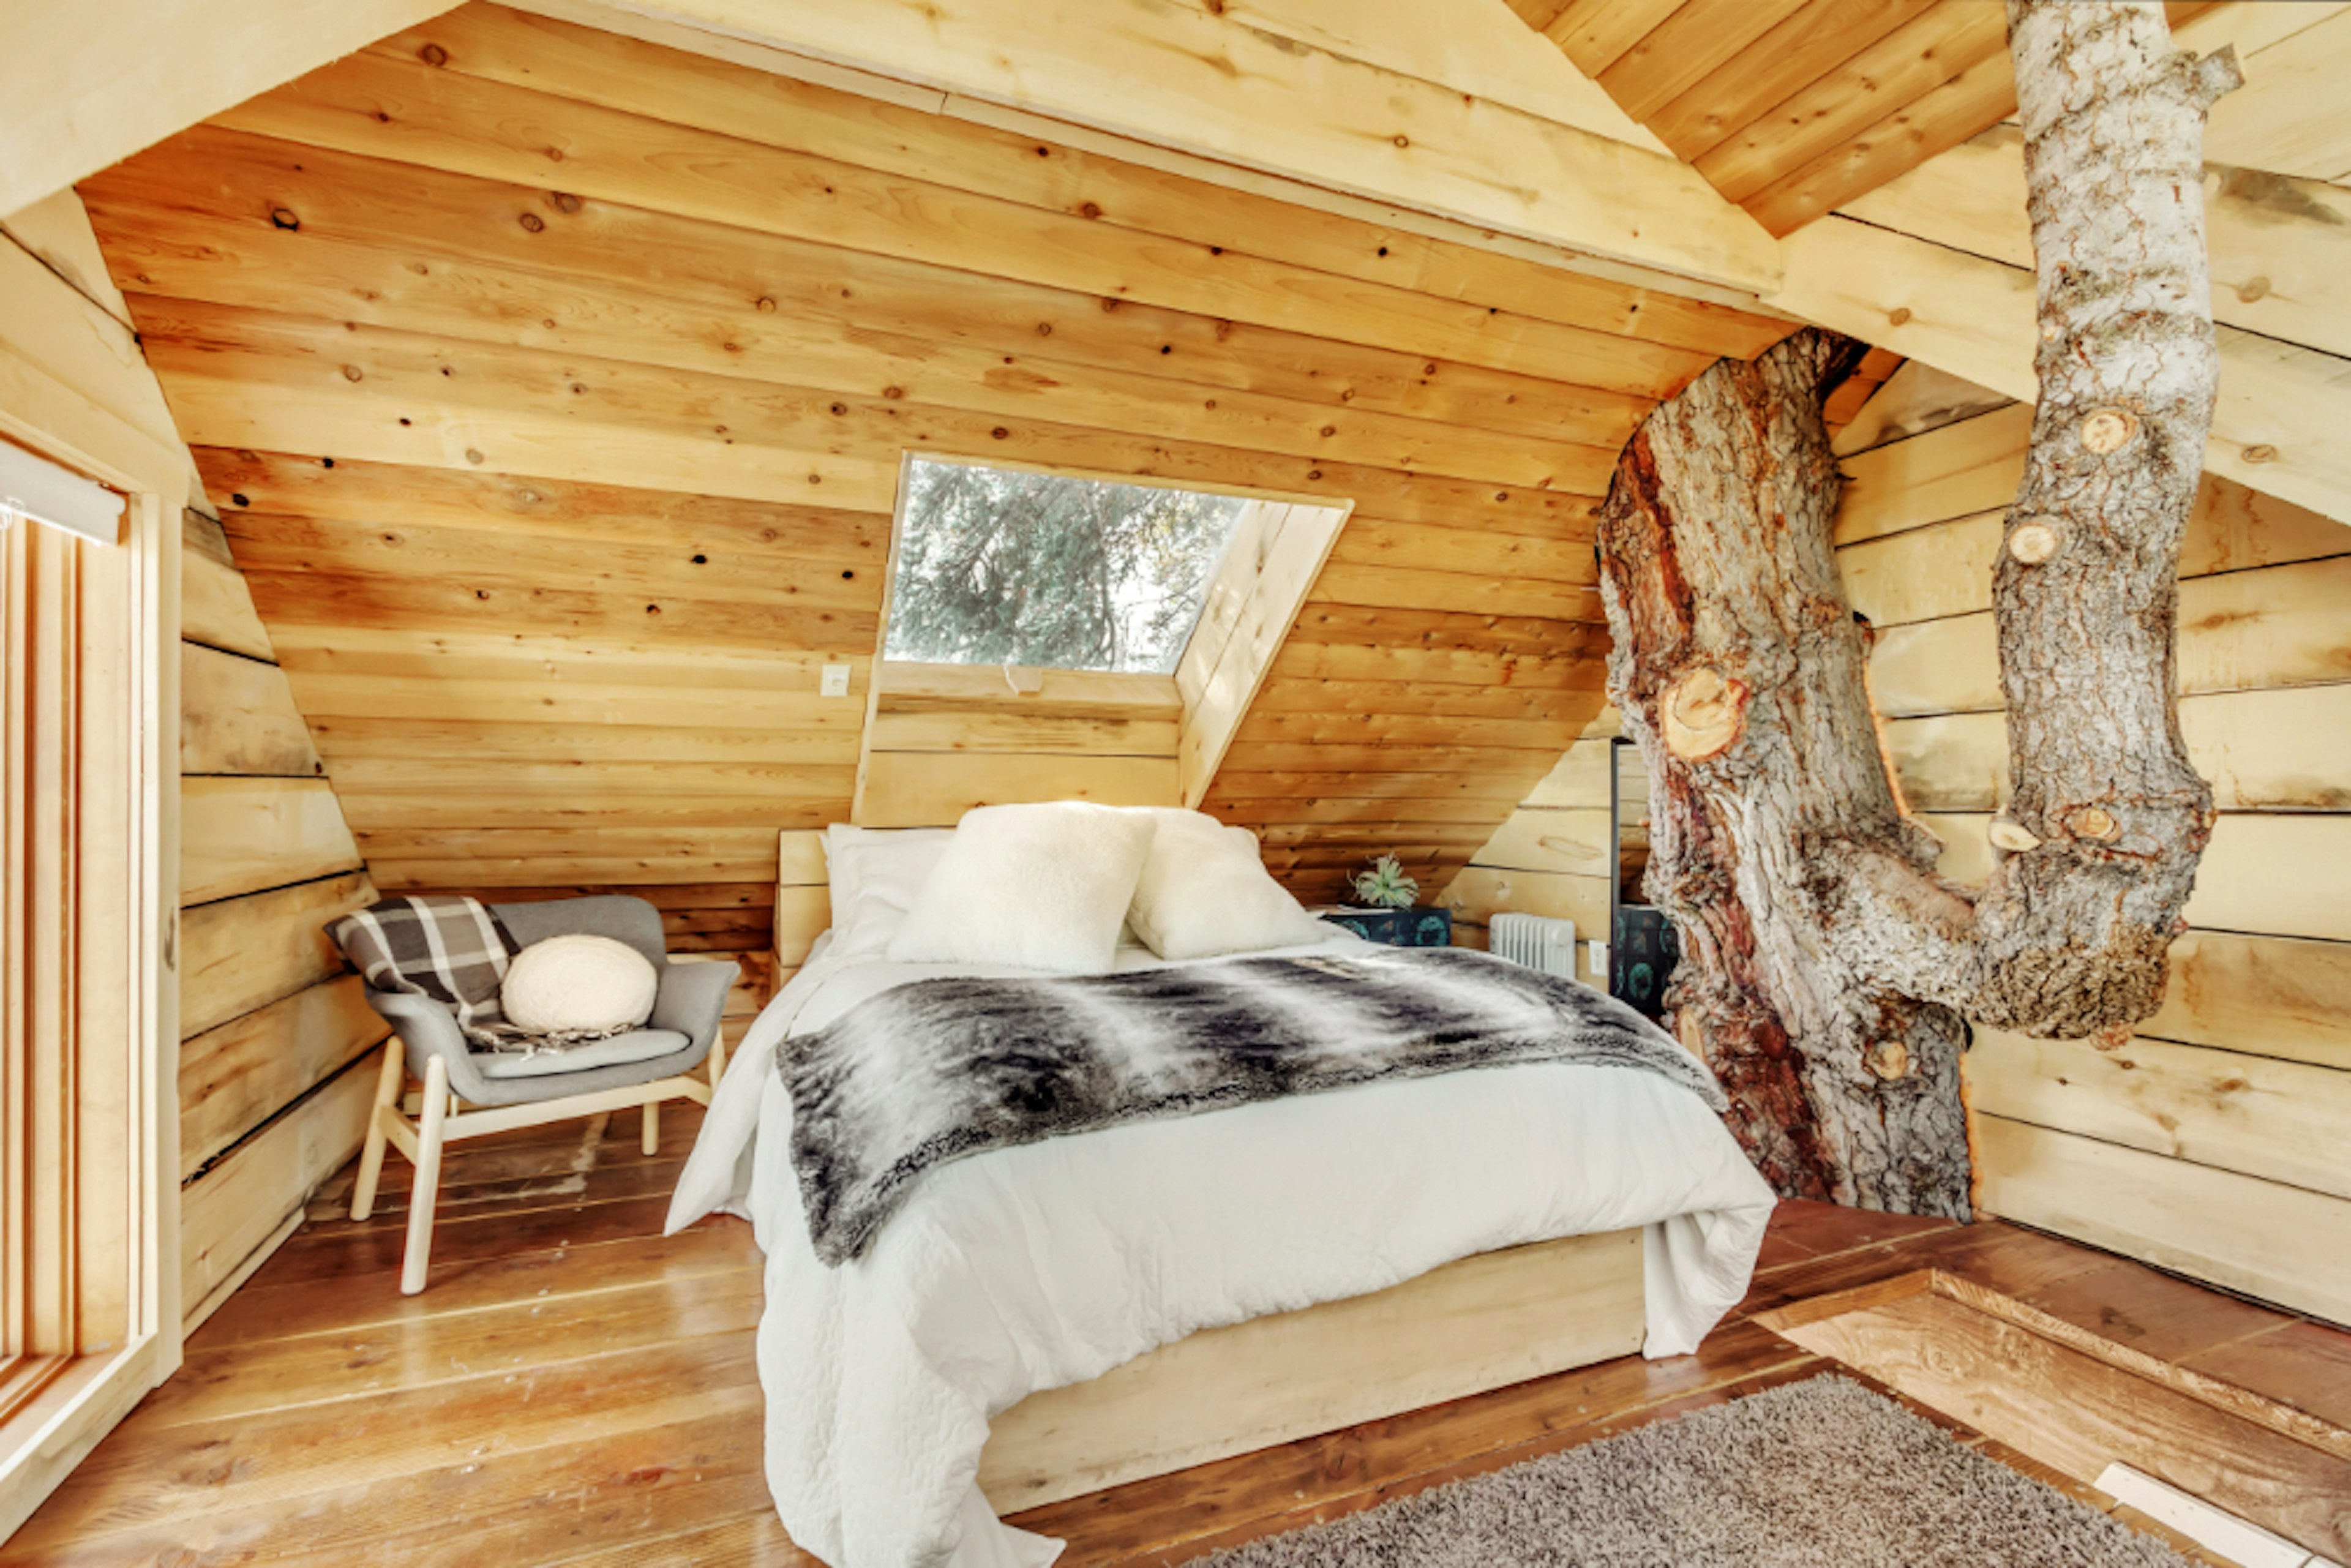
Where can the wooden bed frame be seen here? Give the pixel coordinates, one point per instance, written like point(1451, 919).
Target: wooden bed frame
point(1480, 1323)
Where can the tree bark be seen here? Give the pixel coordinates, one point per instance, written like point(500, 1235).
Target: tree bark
point(1826, 966)
point(1739, 670)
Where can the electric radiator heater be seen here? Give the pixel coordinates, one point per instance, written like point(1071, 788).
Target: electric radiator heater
point(1538, 941)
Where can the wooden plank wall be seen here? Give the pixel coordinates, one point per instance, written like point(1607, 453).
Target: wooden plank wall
point(559, 478)
point(272, 1087)
point(1551, 857)
point(944, 739)
point(2212, 1142)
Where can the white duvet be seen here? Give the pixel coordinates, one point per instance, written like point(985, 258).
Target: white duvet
point(1031, 1268)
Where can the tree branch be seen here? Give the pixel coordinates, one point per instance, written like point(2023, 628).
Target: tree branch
point(1828, 967)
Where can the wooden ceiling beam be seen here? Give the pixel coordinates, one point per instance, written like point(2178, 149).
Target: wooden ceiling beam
point(1597, 34)
point(1937, 264)
point(545, 56)
point(2281, 247)
point(1865, 90)
point(1172, 74)
point(403, 110)
point(1790, 108)
point(1481, 49)
point(368, 221)
point(2282, 406)
point(1702, 37)
point(86, 83)
point(2292, 115)
point(1804, 47)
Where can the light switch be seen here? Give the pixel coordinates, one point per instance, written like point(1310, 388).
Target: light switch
point(836, 681)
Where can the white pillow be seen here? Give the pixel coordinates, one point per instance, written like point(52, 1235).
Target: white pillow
point(578, 982)
point(876, 873)
point(1205, 891)
point(1042, 887)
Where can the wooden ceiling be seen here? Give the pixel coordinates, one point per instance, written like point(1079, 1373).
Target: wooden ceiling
point(1792, 107)
point(554, 386)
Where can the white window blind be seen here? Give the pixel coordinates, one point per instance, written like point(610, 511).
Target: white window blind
point(34, 488)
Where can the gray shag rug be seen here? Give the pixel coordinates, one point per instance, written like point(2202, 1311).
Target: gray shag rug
point(1817, 1474)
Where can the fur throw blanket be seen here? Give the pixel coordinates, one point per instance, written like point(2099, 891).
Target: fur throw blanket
point(938, 1070)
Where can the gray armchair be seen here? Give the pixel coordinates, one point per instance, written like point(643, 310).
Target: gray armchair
point(506, 1091)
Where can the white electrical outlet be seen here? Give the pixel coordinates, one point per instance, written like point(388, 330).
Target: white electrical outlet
point(836, 681)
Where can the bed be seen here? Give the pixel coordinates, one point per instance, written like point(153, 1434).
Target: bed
point(1042, 1321)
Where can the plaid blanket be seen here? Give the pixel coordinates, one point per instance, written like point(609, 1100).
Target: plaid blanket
point(455, 951)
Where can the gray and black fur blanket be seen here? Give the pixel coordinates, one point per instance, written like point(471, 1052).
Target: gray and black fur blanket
point(938, 1070)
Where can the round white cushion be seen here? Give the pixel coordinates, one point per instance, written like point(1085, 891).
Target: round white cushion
point(578, 982)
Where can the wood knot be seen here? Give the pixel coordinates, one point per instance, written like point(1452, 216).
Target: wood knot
point(2093, 822)
point(433, 55)
point(2260, 452)
point(1899, 316)
point(2012, 836)
point(1888, 1060)
point(2106, 430)
point(2035, 540)
point(1703, 713)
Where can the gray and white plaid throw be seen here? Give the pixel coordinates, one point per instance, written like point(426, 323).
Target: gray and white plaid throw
point(454, 951)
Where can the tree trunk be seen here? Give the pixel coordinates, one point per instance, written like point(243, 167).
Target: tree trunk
point(1739, 670)
point(1826, 966)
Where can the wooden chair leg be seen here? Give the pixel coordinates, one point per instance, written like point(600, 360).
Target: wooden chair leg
point(717, 1063)
point(651, 1142)
point(389, 1082)
point(419, 1255)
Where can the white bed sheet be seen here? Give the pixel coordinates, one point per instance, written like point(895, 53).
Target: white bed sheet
point(1033, 1267)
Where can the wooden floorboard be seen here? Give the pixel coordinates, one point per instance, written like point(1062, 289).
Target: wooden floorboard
point(576, 1388)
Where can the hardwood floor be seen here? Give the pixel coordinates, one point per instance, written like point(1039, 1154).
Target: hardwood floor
point(574, 1388)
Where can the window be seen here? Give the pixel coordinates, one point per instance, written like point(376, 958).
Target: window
point(84, 1308)
point(92, 483)
point(1000, 566)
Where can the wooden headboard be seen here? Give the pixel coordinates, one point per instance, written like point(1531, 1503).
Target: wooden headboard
point(803, 900)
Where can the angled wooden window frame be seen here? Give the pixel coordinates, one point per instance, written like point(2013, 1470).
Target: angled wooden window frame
point(1255, 595)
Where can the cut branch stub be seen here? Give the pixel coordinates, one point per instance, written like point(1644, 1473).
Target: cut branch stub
point(1704, 713)
point(2012, 836)
point(2035, 540)
point(2108, 429)
point(2093, 822)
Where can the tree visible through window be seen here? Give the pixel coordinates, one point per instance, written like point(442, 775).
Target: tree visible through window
point(997, 566)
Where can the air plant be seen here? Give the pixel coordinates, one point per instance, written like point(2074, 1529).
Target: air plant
point(1386, 887)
